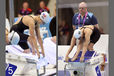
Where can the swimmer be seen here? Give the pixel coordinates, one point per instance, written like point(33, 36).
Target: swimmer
point(32, 23)
point(87, 36)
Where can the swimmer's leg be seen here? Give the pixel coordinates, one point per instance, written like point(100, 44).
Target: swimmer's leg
point(79, 47)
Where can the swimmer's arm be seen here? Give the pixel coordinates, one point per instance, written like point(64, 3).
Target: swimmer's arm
point(39, 39)
point(32, 37)
point(6, 31)
point(79, 46)
point(73, 41)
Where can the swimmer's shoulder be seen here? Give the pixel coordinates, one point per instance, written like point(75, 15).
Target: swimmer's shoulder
point(28, 19)
point(25, 18)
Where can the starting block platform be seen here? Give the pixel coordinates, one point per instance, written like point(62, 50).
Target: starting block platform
point(87, 56)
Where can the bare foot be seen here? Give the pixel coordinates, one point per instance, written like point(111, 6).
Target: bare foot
point(33, 53)
point(74, 58)
point(67, 58)
point(81, 59)
point(26, 51)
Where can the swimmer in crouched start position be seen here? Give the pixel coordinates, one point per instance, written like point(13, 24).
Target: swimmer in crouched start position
point(32, 24)
point(87, 36)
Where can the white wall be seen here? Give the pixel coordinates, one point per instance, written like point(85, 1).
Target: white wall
point(51, 6)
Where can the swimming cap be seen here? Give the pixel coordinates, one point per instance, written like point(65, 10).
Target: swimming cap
point(77, 33)
point(45, 17)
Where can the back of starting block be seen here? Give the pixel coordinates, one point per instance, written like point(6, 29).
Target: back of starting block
point(78, 68)
point(20, 66)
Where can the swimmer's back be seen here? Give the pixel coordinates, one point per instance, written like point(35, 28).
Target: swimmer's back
point(22, 24)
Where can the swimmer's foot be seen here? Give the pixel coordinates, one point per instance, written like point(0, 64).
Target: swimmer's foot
point(81, 59)
point(74, 58)
point(33, 53)
point(67, 59)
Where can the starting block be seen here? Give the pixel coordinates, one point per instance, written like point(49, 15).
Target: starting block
point(24, 66)
point(21, 66)
point(89, 67)
point(27, 64)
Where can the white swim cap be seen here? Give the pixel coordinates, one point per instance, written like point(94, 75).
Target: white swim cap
point(45, 17)
point(14, 38)
point(77, 33)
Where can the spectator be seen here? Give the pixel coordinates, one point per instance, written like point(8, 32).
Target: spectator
point(83, 17)
point(42, 8)
point(63, 32)
point(25, 10)
point(65, 28)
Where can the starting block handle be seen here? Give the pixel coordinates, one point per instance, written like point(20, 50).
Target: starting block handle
point(44, 69)
point(65, 70)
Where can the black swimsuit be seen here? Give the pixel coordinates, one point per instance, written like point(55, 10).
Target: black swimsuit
point(19, 28)
point(95, 35)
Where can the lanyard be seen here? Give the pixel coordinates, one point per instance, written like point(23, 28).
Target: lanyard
point(83, 20)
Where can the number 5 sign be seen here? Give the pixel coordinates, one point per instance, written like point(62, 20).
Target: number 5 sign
point(10, 69)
